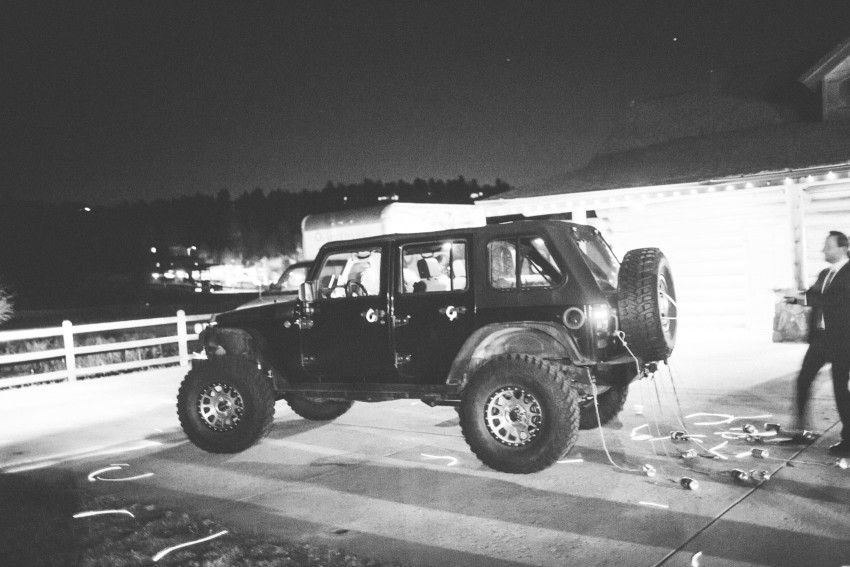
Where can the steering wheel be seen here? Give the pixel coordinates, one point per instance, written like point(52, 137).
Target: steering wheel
point(355, 289)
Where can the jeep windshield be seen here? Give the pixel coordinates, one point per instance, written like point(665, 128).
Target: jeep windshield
point(599, 258)
point(291, 279)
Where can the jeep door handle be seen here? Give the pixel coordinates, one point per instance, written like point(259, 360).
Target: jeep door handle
point(452, 312)
point(401, 321)
point(374, 316)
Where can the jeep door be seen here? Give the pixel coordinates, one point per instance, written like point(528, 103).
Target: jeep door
point(344, 331)
point(433, 307)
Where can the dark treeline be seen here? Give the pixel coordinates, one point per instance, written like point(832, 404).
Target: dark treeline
point(53, 255)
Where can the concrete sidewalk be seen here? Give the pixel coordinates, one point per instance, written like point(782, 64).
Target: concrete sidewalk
point(396, 481)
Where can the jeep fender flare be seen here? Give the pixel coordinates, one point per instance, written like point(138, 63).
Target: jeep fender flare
point(233, 340)
point(250, 344)
point(543, 340)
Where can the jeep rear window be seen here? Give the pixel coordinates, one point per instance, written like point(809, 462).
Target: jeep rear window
point(433, 266)
point(522, 263)
point(600, 259)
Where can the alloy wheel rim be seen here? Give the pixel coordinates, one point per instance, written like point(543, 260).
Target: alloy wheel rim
point(221, 407)
point(513, 416)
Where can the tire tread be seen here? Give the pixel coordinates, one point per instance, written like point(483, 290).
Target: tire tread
point(563, 438)
point(638, 303)
point(251, 384)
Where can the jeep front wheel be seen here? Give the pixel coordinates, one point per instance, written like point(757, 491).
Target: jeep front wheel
point(646, 303)
point(317, 410)
point(519, 414)
point(225, 405)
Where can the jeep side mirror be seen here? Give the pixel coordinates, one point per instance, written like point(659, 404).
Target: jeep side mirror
point(305, 292)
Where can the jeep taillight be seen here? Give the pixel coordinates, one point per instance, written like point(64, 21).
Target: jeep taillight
point(602, 319)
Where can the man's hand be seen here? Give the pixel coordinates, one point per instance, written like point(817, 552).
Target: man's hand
point(798, 298)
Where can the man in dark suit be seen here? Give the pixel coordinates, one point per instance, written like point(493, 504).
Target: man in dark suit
point(829, 336)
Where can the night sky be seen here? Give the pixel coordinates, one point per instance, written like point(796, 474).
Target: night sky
point(128, 100)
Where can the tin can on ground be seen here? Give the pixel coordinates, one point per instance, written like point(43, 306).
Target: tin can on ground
point(759, 475)
point(772, 427)
point(678, 435)
point(689, 483)
point(648, 470)
point(753, 439)
point(760, 453)
point(690, 454)
point(808, 435)
point(749, 428)
point(740, 475)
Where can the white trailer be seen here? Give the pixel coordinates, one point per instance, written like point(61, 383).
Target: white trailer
point(316, 230)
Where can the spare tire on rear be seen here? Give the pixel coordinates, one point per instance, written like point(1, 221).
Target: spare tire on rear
point(646, 302)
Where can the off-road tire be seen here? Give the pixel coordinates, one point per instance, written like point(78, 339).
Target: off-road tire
point(647, 304)
point(317, 410)
point(553, 402)
point(610, 403)
point(236, 386)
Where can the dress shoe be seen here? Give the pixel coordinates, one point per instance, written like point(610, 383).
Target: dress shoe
point(840, 449)
point(803, 436)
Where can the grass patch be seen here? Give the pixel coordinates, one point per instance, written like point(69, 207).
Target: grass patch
point(37, 528)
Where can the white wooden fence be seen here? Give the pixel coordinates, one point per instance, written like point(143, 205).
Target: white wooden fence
point(70, 351)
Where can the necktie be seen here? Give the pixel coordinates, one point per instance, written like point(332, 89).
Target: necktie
point(828, 280)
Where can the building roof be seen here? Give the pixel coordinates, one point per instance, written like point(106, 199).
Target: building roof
point(776, 147)
point(654, 121)
point(814, 76)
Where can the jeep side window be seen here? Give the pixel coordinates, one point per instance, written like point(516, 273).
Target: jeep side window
point(433, 266)
point(535, 268)
point(350, 274)
point(600, 259)
point(502, 265)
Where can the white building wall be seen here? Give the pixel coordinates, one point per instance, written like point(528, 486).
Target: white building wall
point(826, 206)
point(836, 94)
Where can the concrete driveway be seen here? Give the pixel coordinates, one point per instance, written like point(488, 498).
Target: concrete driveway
point(395, 481)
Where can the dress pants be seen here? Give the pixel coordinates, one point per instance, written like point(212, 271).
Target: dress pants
point(820, 352)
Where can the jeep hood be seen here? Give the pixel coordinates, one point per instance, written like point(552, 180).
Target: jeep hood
point(284, 308)
point(269, 298)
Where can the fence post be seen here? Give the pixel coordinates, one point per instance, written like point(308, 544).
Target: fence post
point(70, 357)
point(182, 338)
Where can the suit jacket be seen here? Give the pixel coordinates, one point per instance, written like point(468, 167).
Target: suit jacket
point(834, 305)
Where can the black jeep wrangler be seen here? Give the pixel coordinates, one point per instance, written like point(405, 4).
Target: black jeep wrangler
point(532, 330)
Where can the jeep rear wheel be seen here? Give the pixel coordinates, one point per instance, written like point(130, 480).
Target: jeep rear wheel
point(316, 409)
point(610, 404)
point(519, 414)
point(225, 405)
point(647, 304)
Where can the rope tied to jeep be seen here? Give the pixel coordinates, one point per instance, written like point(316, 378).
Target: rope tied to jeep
point(646, 372)
point(602, 433)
